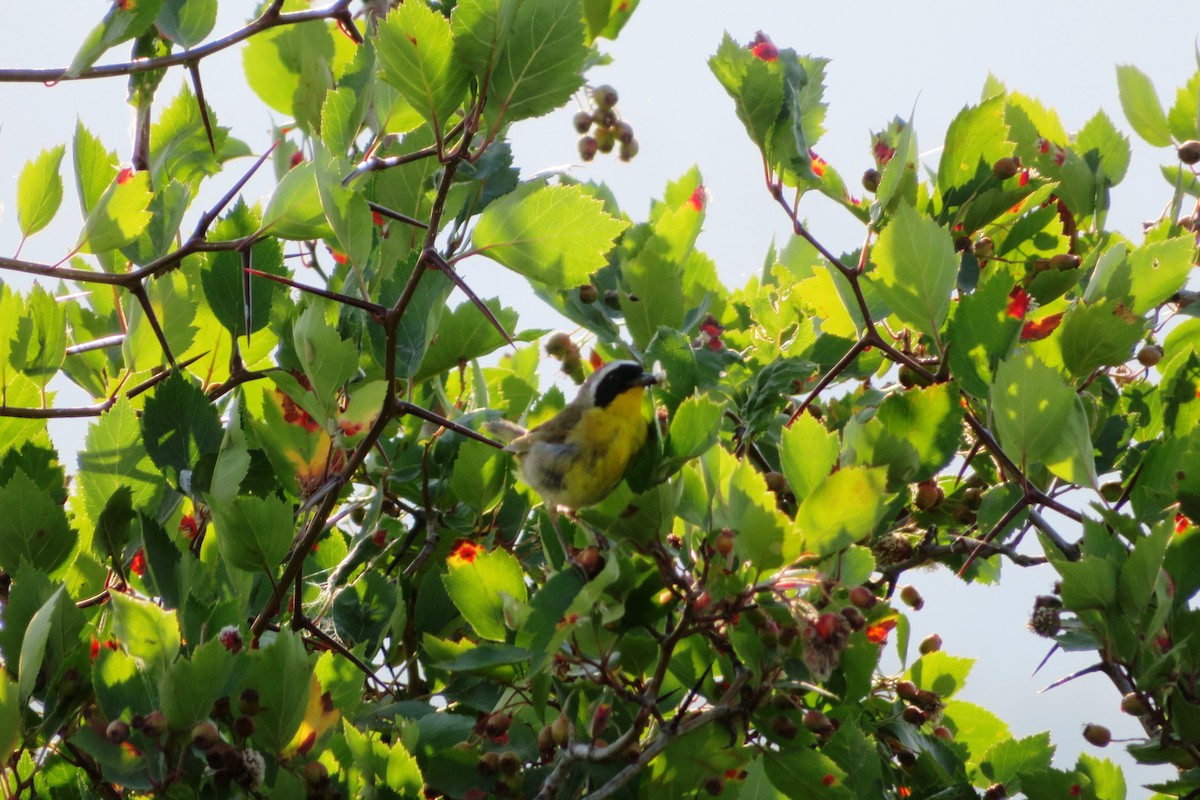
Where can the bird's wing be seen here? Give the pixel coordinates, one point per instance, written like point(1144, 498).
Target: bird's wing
point(553, 431)
point(506, 430)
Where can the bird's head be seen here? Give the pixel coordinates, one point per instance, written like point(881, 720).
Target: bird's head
point(613, 380)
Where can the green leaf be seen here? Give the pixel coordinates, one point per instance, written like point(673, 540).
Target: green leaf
point(695, 427)
point(346, 211)
point(976, 727)
point(222, 276)
point(181, 150)
point(556, 235)
point(913, 433)
point(1108, 781)
point(254, 533)
point(843, 509)
point(480, 28)
point(95, 167)
point(112, 529)
point(1140, 103)
point(279, 63)
point(187, 22)
point(180, 424)
point(40, 190)
point(1072, 456)
point(416, 55)
point(765, 536)
point(119, 215)
point(328, 360)
point(485, 658)
point(1097, 335)
point(10, 716)
point(124, 21)
point(915, 269)
point(1158, 270)
point(546, 610)
point(282, 674)
point(479, 474)
point(481, 583)
point(1104, 147)
point(147, 632)
point(34, 527)
point(1184, 116)
point(1142, 572)
point(975, 140)
point(463, 335)
point(804, 772)
point(42, 628)
point(1005, 760)
point(114, 456)
point(756, 88)
point(541, 63)
point(1031, 406)
point(39, 347)
point(365, 610)
point(294, 210)
point(940, 673)
point(808, 453)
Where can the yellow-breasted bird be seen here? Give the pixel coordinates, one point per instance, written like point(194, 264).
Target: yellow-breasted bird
point(578, 456)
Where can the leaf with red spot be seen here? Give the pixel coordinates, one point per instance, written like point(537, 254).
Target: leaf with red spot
point(481, 584)
point(1035, 330)
point(1018, 302)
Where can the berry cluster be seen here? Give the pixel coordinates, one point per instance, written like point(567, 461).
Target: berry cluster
point(602, 129)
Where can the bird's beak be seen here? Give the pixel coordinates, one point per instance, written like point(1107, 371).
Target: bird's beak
point(649, 379)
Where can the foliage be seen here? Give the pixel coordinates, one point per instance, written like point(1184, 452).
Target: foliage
point(292, 562)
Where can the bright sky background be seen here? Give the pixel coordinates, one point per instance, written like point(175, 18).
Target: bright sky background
point(885, 59)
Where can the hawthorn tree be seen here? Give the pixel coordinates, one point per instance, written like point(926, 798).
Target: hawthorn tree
point(290, 561)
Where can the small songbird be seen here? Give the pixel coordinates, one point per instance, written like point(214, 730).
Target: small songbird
point(577, 457)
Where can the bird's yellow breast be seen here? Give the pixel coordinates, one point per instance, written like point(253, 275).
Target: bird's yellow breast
point(582, 469)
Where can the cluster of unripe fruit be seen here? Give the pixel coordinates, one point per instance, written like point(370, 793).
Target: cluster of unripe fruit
point(602, 130)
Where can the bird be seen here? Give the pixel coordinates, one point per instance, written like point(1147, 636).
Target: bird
point(578, 456)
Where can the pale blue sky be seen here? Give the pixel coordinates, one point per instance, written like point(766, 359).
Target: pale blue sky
point(885, 58)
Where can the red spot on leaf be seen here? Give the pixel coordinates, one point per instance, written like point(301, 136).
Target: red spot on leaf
point(710, 334)
point(1035, 330)
point(378, 218)
point(1018, 303)
point(1024, 179)
point(1060, 156)
point(94, 649)
point(138, 565)
point(188, 527)
point(124, 175)
point(307, 743)
point(296, 160)
point(763, 48)
point(338, 256)
point(698, 198)
point(295, 415)
point(1043, 146)
point(878, 633)
point(411, 38)
point(828, 780)
point(1182, 523)
point(903, 791)
point(1074, 791)
point(818, 164)
point(465, 551)
point(883, 153)
point(595, 361)
point(379, 537)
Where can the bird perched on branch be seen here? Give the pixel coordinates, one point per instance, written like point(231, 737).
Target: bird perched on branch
point(577, 457)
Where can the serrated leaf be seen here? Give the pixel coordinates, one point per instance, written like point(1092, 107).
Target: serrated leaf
point(187, 22)
point(40, 190)
point(147, 632)
point(756, 89)
point(1100, 140)
point(915, 269)
point(556, 235)
point(254, 533)
point(95, 167)
point(222, 277)
point(464, 334)
point(976, 139)
point(294, 210)
point(34, 645)
point(114, 456)
point(282, 673)
point(541, 62)
point(842, 509)
point(1140, 103)
point(328, 360)
point(1158, 270)
point(119, 215)
point(478, 475)
point(416, 55)
point(1097, 335)
point(480, 583)
point(180, 424)
point(1031, 406)
point(191, 685)
point(124, 21)
point(34, 527)
point(808, 453)
point(480, 28)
